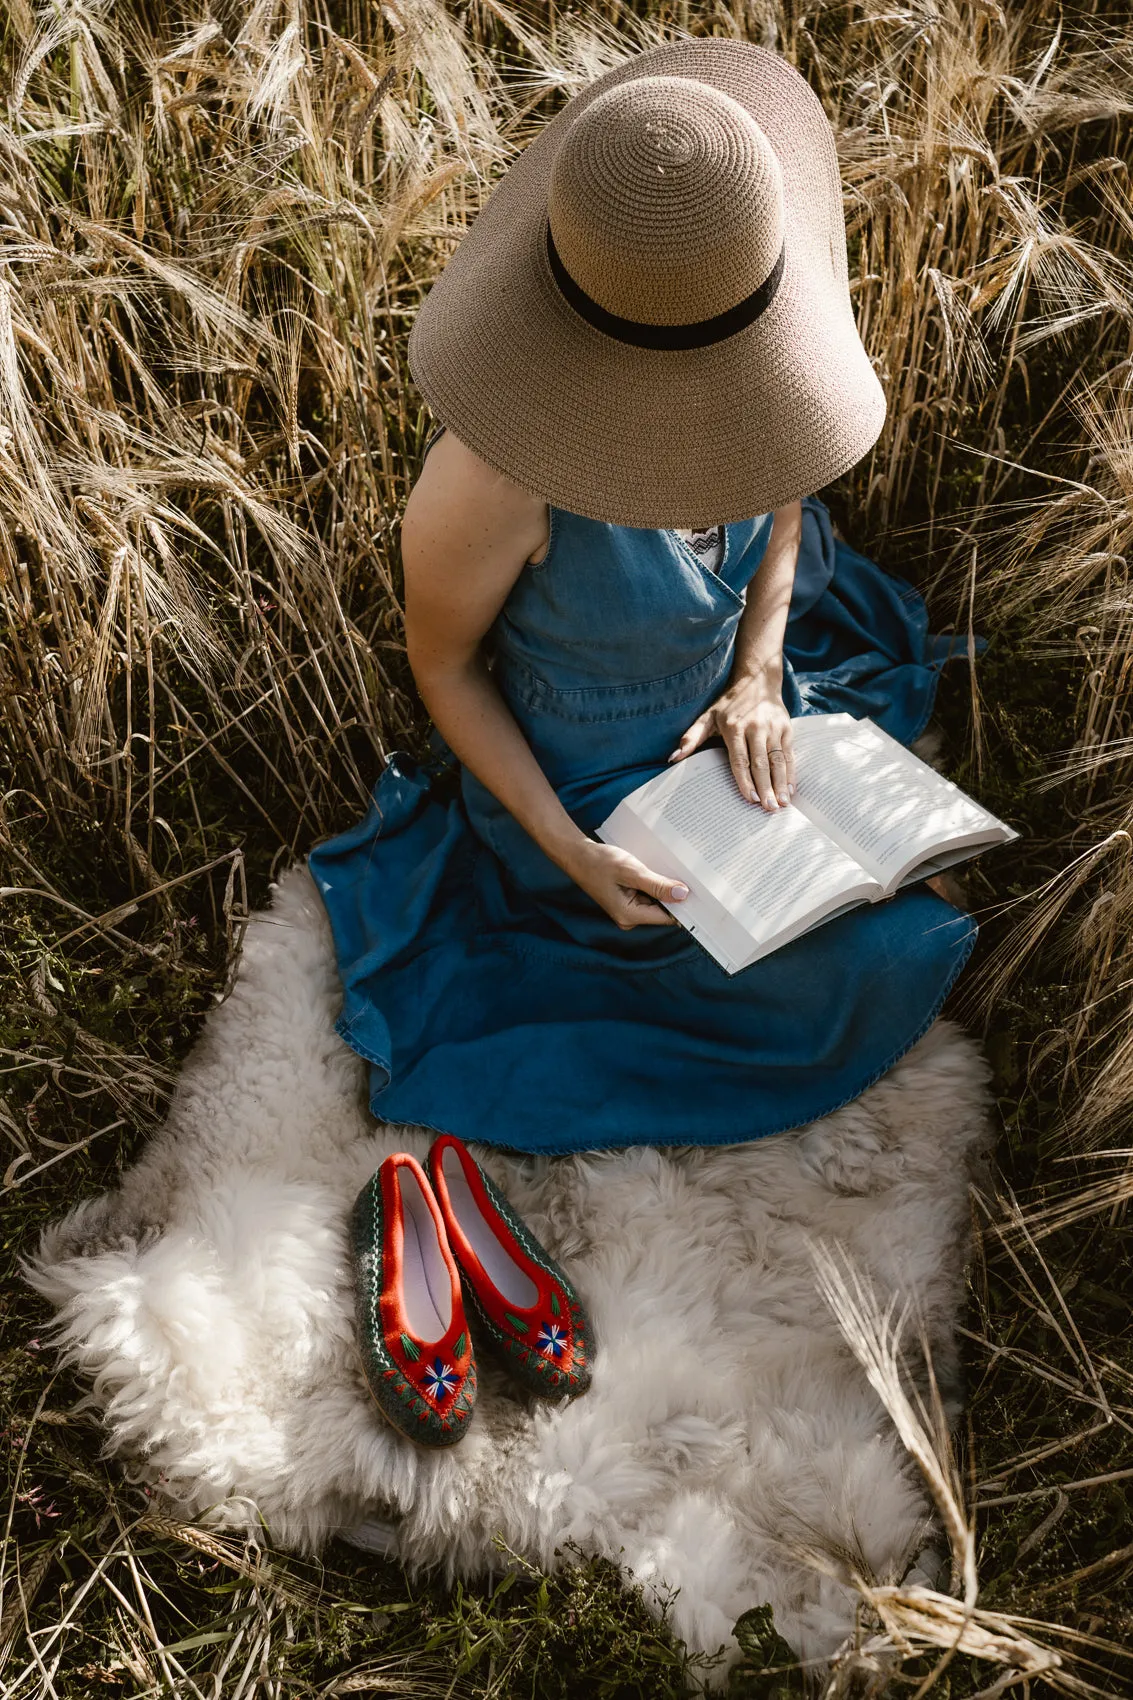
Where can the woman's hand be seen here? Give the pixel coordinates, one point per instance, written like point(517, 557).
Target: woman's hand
point(755, 726)
point(750, 716)
point(625, 888)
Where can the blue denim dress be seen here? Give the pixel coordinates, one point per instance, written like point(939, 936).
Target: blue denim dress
point(493, 999)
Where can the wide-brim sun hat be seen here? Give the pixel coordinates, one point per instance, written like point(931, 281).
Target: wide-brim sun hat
point(649, 323)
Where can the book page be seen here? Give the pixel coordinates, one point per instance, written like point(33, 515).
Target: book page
point(884, 805)
point(702, 914)
point(777, 873)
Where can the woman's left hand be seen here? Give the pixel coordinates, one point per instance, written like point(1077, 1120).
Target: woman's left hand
point(756, 728)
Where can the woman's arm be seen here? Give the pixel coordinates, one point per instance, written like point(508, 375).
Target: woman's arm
point(750, 715)
point(466, 536)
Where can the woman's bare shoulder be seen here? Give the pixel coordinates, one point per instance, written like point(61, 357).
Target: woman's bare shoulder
point(461, 503)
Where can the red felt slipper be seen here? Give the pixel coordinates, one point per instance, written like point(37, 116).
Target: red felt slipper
point(416, 1348)
point(523, 1303)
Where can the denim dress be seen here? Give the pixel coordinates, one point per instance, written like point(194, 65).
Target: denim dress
point(495, 1000)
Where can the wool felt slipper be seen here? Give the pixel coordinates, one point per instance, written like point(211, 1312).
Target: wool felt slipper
point(519, 1299)
point(412, 1330)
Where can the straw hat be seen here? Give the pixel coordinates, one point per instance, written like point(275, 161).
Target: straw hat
point(649, 322)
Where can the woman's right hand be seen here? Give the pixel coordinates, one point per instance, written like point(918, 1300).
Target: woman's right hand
point(625, 888)
point(465, 538)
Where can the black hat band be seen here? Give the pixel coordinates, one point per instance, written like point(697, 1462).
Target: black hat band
point(641, 335)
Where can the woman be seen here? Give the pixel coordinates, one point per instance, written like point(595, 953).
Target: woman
point(644, 358)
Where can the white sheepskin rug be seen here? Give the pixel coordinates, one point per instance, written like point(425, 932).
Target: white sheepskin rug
point(729, 1431)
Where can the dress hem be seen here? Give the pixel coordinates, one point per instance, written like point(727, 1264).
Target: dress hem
point(631, 1144)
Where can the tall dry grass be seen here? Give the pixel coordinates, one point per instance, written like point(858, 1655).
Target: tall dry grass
point(216, 222)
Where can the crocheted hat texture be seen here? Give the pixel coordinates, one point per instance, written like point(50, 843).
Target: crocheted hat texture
point(649, 323)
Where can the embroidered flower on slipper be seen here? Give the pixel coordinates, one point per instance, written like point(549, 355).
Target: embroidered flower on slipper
point(412, 1330)
point(440, 1379)
point(518, 1298)
point(552, 1340)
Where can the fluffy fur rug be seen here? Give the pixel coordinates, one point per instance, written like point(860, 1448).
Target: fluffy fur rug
point(208, 1303)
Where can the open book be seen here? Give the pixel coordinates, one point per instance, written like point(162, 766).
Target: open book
point(868, 816)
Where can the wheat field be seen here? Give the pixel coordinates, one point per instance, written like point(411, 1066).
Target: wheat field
point(216, 221)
